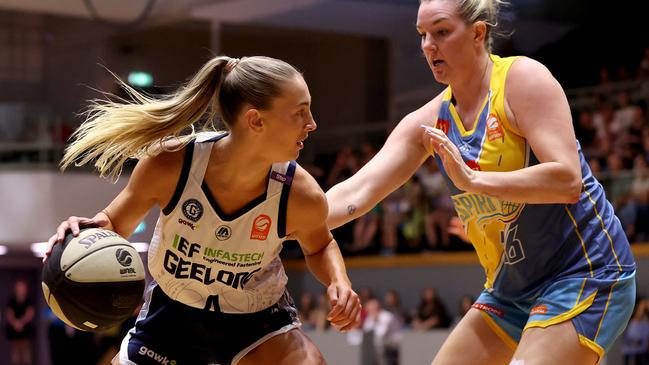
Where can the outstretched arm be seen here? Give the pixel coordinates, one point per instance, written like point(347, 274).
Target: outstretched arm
point(307, 213)
point(391, 167)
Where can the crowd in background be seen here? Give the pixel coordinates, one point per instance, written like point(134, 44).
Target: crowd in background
point(613, 132)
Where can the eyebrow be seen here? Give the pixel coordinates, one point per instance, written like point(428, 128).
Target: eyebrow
point(439, 20)
point(304, 103)
point(435, 22)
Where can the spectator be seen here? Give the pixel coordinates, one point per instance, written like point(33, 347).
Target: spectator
point(392, 303)
point(590, 135)
point(319, 314)
point(465, 304)
point(640, 194)
point(365, 231)
point(413, 224)
point(306, 311)
point(431, 312)
point(385, 328)
point(623, 116)
point(440, 209)
point(636, 336)
point(20, 325)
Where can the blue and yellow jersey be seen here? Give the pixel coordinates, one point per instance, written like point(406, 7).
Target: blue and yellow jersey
point(524, 247)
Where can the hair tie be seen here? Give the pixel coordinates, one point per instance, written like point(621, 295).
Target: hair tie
point(232, 63)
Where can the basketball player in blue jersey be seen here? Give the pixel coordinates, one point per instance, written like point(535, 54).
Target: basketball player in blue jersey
point(560, 274)
point(228, 201)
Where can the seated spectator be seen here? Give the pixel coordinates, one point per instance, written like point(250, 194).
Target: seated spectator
point(392, 303)
point(413, 224)
point(306, 311)
point(431, 312)
point(440, 206)
point(319, 314)
point(365, 232)
point(636, 336)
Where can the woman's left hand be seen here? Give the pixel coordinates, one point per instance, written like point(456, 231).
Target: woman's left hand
point(435, 141)
point(345, 311)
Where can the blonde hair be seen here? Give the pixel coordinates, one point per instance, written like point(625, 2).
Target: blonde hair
point(487, 11)
point(114, 132)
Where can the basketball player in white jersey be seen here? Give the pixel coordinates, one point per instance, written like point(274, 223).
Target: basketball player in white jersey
point(227, 200)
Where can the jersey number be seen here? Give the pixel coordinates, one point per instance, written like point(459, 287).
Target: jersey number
point(513, 247)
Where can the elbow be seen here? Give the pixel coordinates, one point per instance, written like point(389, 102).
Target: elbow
point(573, 190)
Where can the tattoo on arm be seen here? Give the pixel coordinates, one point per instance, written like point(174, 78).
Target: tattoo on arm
point(351, 209)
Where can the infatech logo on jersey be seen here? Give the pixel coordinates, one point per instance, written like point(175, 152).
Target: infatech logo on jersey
point(144, 351)
point(222, 233)
point(260, 227)
point(193, 209)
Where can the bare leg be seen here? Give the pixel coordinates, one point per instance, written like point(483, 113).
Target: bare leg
point(561, 338)
point(473, 342)
point(290, 348)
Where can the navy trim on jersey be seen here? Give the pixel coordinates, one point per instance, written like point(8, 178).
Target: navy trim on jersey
point(283, 201)
point(232, 216)
point(182, 180)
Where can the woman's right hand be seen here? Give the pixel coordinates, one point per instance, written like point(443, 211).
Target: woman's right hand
point(73, 224)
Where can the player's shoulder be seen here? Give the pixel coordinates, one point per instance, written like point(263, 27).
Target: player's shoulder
point(527, 70)
point(160, 172)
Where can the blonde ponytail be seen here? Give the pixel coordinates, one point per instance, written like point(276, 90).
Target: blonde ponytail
point(115, 132)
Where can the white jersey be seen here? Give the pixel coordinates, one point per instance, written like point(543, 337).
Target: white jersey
point(207, 259)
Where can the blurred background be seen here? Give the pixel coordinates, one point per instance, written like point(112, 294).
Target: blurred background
point(365, 70)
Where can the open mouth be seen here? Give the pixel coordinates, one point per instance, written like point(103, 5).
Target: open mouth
point(300, 143)
point(437, 63)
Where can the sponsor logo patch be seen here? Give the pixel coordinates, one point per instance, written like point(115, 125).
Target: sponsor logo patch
point(123, 257)
point(539, 309)
point(192, 209)
point(260, 227)
point(222, 233)
point(189, 224)
point(443, 124)
point(494, 128)
point(489, 309)
point(281, 178)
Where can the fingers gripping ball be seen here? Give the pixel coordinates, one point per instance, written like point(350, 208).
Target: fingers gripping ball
point(93, 281)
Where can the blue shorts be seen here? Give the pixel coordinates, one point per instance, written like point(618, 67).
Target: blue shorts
point(171, 333)
point(599, 308)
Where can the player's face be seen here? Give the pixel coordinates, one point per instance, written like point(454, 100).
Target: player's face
point(446, 40)
point(290, 120)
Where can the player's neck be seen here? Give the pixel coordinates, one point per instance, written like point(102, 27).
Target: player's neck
point(474, 88)
point(235, 165)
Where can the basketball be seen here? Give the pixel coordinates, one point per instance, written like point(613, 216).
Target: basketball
point(93, 281)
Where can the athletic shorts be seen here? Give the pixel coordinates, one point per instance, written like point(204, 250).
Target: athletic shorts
point(598, 307)
point(168, 332)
